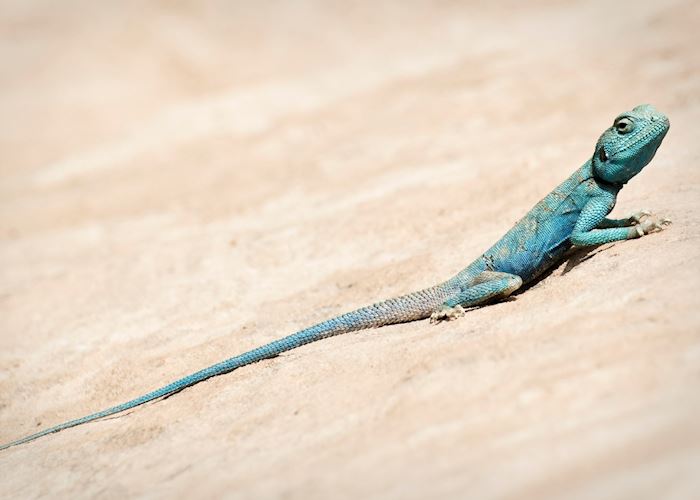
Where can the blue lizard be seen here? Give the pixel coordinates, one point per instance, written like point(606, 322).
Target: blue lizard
point(573, 214)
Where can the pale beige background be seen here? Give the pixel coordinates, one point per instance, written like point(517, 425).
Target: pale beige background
point(182, 181)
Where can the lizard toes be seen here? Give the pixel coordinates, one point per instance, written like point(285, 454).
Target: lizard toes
point(654, 224)
point(446, 313)
point(641, 214)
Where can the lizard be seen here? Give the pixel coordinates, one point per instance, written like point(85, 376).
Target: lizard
point(573, 214)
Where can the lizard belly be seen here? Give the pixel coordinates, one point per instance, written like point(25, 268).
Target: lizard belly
point(533, 245)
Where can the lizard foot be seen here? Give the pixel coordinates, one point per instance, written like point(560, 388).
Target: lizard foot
point(651, 223)
point(639, 215)
point(447, 313)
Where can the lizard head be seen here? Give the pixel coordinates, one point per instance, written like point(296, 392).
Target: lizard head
point(629, 145)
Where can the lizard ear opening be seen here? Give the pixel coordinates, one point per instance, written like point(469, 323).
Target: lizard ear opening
point(602, 155)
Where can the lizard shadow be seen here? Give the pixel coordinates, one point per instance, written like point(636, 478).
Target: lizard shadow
point(571, 259)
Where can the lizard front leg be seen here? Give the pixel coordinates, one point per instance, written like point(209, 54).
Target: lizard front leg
point(593, 228)
point(487, 285)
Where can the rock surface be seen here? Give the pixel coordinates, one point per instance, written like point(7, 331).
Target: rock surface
point(182, 183)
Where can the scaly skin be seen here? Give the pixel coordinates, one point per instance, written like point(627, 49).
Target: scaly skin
point(573, 214)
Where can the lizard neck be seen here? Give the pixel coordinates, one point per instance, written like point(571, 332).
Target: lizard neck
point(590, 172)
point(616, 186)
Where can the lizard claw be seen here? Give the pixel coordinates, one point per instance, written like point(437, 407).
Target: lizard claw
point(653, 224)
point(446, 313)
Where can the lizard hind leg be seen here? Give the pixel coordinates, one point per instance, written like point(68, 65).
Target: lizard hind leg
point(485, 286)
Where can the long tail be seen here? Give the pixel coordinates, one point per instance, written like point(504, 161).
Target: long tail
point(410, 307)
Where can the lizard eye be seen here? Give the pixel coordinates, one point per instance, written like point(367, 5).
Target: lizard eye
point(602, 155)
point(623, 125)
